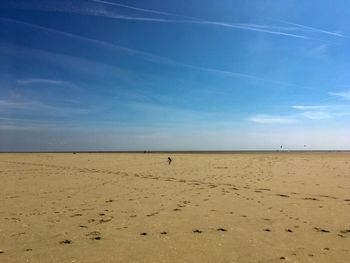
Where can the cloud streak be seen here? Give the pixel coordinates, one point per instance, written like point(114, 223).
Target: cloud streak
point(272, 119)
point(41, 81)
point(276, 30)
point(316, 115)
point(190, 20)
point(312, 29)
point(145, 55)
point(38, 108)
point(342, 94)
point(167, 17)
point(310, 107)
point(139, 9)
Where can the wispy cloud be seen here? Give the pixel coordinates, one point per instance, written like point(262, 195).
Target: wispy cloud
point(139, 9)
point(41, 81)
point(314, 112)
point(316, 115)
point(310, 107)
point(270, 29)
point(319, 51)
point(38, 108)
point(145, 55)
point(322, 112)
point(193, 20)
point(313, 29)
point(272, 119)
point(342, 94)
point(167, 17)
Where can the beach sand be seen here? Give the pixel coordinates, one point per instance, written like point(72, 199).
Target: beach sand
point(249, 207)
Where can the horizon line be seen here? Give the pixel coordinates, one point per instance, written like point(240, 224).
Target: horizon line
point(181, 151)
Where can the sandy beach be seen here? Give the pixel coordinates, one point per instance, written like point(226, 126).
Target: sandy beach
point(249, 207)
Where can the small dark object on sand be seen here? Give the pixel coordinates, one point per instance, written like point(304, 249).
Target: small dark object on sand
point(221, 229)
point(169, 160)
point(143, 234)
point(67, 241)
point(321, 230)
point(197, 231)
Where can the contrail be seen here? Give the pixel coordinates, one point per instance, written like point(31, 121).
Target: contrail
point(145, 55)
point(200, 22)
point(313, 29)
point(255, 27)
point(184, 19)
point(142, 9)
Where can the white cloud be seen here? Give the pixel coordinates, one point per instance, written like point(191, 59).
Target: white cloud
point(38, 108)
point(298, 31)
point(316, 115)
point(194, 20)
point(144, 55)
point(319, 51)
point(342, 94)
point(272, 119)
point(312, 29)
point(310, 107)
point(56, 82)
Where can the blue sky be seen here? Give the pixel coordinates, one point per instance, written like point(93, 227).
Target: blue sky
point(174, 75)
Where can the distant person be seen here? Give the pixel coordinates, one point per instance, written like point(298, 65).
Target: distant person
point(169, 160)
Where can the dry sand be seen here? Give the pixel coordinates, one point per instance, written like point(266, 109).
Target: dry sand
point(271, 207)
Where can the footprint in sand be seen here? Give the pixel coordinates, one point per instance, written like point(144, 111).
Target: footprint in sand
point(105, 220)
point(76, 215)
point(94, 235)
point(67, 241)
point(311, 198)
point(282, 195)
point(343, 232)
point(318, 229)
point(153, 214)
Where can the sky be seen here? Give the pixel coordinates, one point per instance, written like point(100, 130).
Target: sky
point(93, 75)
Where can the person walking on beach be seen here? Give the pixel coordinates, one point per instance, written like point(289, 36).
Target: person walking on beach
point(169, 160)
